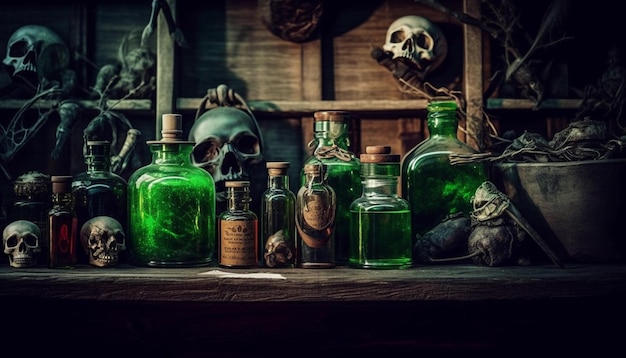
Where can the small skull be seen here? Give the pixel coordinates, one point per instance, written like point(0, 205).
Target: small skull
point(21, 243)
point(228, 145)
point(36, 54)
point(103, 239)
point(418, 42)
point(278, 251)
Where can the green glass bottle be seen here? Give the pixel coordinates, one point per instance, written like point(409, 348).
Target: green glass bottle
point(433, 187)
point(278, 226)
point(171, 205)
point(380, 220)
point(332, 141)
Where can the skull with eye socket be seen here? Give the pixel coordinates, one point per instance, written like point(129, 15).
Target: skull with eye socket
point(103, 239)
point(228, 145)
point(417, 42)
point(21, 240)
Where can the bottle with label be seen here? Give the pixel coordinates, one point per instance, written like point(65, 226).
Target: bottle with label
point(33, 201)
point(98, 191)
point(380, 220)
point(278, 226)
point(62, 225)
point(433, 187)
point(332, 141)
point(238, 228)
point(171, 205)
point(315, 219)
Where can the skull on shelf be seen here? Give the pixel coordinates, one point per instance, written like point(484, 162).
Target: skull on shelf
point(418, 42)
point(103, 239)
point(21, 243)
point(37, 55)
point(228, 145)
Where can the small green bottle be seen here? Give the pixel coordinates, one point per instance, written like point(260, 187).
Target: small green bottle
point(278, 226)
point(171, 205)
point(380, 220)
point(332, 142)
point(433, 187)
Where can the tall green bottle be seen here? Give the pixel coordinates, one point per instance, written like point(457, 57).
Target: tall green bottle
point(332, 141)
point(433, 187)
point(171, 205)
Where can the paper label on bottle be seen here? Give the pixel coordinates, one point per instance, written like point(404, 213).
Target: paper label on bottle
point(238, 243)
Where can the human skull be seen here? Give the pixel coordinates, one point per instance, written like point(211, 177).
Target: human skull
point(35, 53)
point(418, 42)
point(103, 239)
point(228, 144)
point(278, 251)
point(21, 243)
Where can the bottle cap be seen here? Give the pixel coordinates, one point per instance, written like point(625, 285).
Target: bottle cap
point(277, 168)
point(61, 183)
point(379, 154)
point(32, 185)
point(237, 184)
point(171, 130)
point(331, 116)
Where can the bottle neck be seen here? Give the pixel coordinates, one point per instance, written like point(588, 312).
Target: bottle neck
point(98, 164)
point(238, 199)
point(62, 200)
point(278, 182)
point(380, 186)
point(175, 153)
point(442, 119)
point(329, 133)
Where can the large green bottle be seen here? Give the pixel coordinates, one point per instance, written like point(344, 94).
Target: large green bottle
point(331, 140)
point(433, 187)
point(171, 205)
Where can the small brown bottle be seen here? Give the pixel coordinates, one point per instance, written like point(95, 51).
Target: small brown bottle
point(62, 223)
point(238, 228)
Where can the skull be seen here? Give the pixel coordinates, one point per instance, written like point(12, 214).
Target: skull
point(35, 53)
point(228, 145)
point(103, 239)
point(418, 42)
point(21, 243)
point(277, 250)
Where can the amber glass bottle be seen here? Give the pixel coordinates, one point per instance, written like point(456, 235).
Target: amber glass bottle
point(62, 223)
point(332, 141)
point(433, 187)
point(171, 205)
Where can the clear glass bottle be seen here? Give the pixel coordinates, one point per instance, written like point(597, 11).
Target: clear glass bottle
point(433, 187)
point(62, 223)
point(238, 228)
point(380, 220)
point(332, 142)
point(278, 226)
point(316, 207)
point(171, 205)
point(33, 201)
point(98, 191)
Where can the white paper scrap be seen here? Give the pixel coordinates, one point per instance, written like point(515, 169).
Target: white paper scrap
point(222, 274)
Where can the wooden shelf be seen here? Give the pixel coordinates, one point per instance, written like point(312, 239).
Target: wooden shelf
point(214, 284)
point(129, 104)
point(509, 103)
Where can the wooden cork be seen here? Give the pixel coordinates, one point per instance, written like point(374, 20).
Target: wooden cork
point(379, 154)
point(171, 130)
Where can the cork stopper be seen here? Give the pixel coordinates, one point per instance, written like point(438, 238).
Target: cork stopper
point(237, 184)
point(277, 168)
point(315, 168)
point(171, 130)
point(379, 154)
point(61, 183)
point(334, 116)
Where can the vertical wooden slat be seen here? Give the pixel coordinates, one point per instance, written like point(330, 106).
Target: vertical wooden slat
point(311, 86)
point(165, 97)
point(473, 80)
